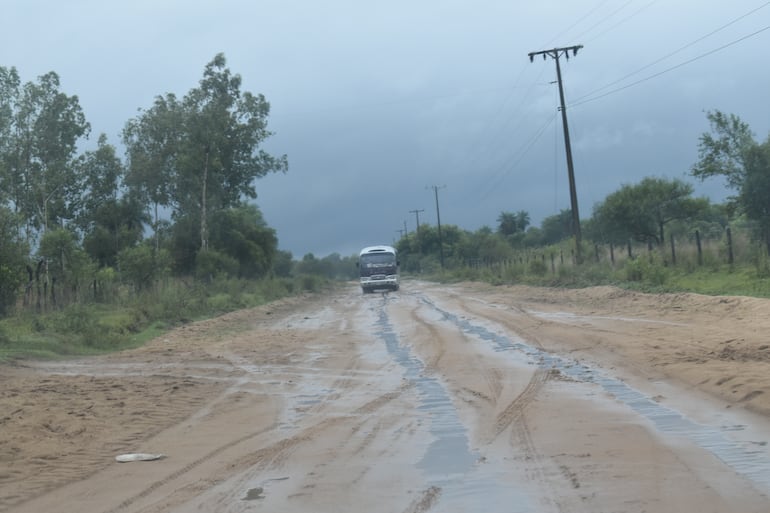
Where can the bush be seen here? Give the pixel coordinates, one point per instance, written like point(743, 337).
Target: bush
point(538, 267)
point(643, 270)
point(212, 264)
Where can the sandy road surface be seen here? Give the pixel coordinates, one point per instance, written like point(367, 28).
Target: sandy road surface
point(434, 398)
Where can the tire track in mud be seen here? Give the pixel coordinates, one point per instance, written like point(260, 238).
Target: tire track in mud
point(271, 455)
point(492, 376)
point(427, 499)
point(187, 468)
point(378, 402)
point(513, 416)
point(435, 357)
point(515, 410)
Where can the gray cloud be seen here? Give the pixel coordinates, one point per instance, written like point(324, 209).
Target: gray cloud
point(375, 102)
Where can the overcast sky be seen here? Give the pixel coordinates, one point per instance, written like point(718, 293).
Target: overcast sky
point(375, 103)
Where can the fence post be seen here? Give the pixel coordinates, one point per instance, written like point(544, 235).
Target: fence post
point(673, 251)
point(630, 254)
point(612, 253)
point(700, 248)
point(730, 258)
point(596, 251)
point(553, 263)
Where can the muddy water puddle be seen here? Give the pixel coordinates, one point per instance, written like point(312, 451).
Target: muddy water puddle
point(750, 458)
point(448, 462)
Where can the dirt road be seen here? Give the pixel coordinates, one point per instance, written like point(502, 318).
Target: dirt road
point(431, 399)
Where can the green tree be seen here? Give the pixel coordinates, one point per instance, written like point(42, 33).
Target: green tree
point(641, 211)
point(206, 148)
point(9, 94)
point(141, 266)
point(101, 175)
point(725, 151)
point(509, 223)
point(557, 227)
point(242, 234)
point(114, 225)
point(755, 190)
point(309, 265)
point(68, 268)
point(731, 151)
point(109, 220)
point(13, 256)
point(153, 142)
point(485, 246)
point(47, 127)
point(283, 263)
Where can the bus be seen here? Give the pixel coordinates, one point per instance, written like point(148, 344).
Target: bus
point(378, 268)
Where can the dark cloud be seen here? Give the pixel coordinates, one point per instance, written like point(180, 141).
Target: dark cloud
point(375, 102)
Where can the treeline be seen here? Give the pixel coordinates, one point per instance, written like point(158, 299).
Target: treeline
point(89, 225)
point(75, 225)
point(655, 217)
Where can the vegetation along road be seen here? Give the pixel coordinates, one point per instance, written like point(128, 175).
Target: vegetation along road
point(434, 398)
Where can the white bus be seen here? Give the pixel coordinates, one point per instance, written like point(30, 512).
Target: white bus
point(378, 268)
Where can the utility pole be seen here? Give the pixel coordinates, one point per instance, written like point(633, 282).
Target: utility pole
point(406, 232)
point(417, 219)
point(438, 218)
point(555, 54)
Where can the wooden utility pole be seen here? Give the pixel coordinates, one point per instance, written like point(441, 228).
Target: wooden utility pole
point(555, 54)
point(438, 219)
point(417, 220)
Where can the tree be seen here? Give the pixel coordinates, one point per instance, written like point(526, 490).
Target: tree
point(153, 146)
point(205, 147)
point(282, 263)
point(47, 127)
point(68, 267)
point(243, 235)
point(141, 266)
point(486, 246)
point(13, 256)
point(101, 175)
point(641, 211)
point(9, 94)
point(108, 219)
point(509, 223)
point(755, 190)
point(725, 151)
point(557, 227)
point(114, 225)
point(731, 151)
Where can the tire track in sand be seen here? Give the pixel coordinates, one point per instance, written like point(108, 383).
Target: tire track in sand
point(264, 457)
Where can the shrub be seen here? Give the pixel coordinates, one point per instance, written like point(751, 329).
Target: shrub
point(538, 267)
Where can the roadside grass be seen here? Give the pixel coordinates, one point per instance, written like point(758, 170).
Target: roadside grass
point(642, 274)
point(131, 319)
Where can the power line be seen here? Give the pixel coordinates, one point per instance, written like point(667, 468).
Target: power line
point(518, 156)
point(672, 68)
point(576, 23)
point(613, 13)
point(671, 54)
point(616, 25)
